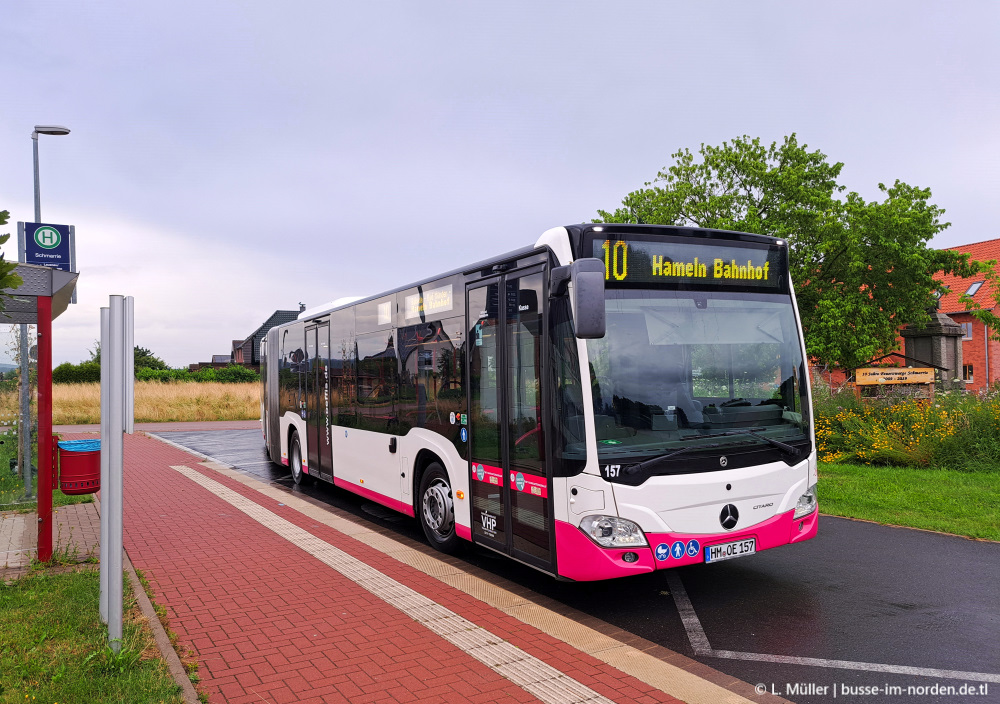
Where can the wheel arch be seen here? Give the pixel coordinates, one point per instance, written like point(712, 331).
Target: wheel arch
point(424, 459)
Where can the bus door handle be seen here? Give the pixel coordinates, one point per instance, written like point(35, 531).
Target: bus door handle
point(392, 445)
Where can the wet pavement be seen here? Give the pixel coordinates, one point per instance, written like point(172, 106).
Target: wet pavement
point(860, 606)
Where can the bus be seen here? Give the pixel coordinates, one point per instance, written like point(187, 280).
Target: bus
point(612, 400)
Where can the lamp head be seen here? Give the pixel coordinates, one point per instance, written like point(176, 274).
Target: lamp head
point(50, 129)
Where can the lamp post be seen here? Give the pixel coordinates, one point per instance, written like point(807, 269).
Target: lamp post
point(55, 130)
point(43, 129)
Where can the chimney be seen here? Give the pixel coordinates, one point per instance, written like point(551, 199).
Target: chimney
point(302, 306)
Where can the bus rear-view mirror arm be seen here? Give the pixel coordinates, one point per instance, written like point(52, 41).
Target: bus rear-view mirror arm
point(587, 276)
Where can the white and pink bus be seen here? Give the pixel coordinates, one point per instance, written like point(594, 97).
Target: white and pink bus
point(613, 400)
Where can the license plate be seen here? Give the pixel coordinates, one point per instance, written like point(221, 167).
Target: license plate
point(727, 551)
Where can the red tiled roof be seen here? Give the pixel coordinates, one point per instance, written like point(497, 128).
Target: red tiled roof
point(979, 251)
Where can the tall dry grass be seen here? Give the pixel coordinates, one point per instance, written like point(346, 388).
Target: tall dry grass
point(77, 404)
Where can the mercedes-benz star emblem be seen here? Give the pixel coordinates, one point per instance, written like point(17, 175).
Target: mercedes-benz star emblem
point(729, 516)
point(723, 461)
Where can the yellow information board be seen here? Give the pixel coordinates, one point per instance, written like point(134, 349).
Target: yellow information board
point(872, 376)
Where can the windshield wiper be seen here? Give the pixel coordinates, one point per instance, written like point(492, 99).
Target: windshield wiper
point(747, 431)
point(642, 466)
point(650, 463)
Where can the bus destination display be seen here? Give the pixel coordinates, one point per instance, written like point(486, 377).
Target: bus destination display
point(630, 261)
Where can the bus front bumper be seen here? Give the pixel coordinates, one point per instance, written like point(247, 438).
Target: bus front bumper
point(581, 559)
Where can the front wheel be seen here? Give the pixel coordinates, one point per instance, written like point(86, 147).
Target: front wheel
point(437, 509)
point(295, 458)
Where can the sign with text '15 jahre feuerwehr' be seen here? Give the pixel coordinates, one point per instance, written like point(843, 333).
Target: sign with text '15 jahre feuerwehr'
point(48, 245)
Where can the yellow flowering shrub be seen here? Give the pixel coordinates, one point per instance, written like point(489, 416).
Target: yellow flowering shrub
point(953, 428)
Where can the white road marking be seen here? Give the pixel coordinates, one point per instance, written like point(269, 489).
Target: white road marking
point(526, 671)
point(692, 624)
point(701, 646)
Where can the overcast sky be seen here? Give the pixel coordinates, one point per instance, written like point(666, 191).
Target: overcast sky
point(231, 158)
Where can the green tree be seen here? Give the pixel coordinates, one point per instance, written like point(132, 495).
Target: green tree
point(145, 359)
point(8, 279)
point(861, 269)
point(142, 358)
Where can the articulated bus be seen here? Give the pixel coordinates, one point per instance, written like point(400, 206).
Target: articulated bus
point(613, 400)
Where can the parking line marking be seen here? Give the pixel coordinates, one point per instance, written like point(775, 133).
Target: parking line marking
point(851, 665)
point(700, 644)
point(692, 624)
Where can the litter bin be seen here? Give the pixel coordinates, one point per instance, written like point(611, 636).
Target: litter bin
point(79, 466)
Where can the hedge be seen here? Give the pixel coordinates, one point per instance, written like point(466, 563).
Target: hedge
point(82, 373)
point(233, 374)
point(89, 372)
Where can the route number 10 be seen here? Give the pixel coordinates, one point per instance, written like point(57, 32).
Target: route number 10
point(613, 263)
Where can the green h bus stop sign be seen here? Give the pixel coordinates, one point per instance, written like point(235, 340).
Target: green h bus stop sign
point(46, 244)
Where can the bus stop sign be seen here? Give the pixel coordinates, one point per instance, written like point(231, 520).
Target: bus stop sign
point(48, 245)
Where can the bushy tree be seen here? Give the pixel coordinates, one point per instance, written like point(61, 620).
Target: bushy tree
point(861, 269)
point(145, 359)
point(142, 358)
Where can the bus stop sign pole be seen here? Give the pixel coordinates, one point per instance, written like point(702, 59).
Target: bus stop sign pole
point(45, 464)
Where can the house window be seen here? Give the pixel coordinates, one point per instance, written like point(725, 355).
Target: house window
point(967, 372)
point(974, 288)
point(966, 331)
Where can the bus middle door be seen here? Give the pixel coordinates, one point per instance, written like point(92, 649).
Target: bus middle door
point(318, 429)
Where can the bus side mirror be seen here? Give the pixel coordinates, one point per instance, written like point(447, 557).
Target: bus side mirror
point(588, 297)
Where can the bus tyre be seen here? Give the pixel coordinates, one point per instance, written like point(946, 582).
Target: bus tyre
point(295, 458)
point(437, 509)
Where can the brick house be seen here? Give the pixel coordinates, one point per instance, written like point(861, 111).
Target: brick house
point(980, 355)
point(246, 352)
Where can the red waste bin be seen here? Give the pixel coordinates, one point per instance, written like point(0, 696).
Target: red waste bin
point(79, 466)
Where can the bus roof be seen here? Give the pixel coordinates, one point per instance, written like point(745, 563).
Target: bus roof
point(492, 261)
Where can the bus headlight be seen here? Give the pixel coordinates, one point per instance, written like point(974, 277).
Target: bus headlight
point(613, 532)
point(806, 504)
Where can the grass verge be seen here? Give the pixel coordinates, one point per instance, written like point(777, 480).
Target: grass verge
point(963, 503)
point(53, 645)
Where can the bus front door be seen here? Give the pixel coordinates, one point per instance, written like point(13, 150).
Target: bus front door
point(511, 489)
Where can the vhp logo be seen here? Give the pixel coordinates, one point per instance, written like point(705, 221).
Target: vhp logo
point(489, 523)
point(47, 237)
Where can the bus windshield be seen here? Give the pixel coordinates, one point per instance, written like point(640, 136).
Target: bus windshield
point(684, 373)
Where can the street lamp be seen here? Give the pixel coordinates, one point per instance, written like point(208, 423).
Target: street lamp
point(56, 130)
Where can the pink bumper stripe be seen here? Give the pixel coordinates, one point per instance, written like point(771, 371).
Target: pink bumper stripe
point(375, 496)
point(581, 559)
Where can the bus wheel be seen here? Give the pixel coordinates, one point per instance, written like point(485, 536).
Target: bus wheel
point(295, 458)
point(437, 509)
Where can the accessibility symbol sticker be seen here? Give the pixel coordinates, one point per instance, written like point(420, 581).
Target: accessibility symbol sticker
point(465, 434)
point(662, 552)
point(693, 547)
point(677, 550)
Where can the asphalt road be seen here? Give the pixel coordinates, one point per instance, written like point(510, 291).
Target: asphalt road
point(861, 610)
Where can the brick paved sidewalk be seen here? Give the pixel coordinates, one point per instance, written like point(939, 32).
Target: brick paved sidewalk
point(76, 531)
point(281, 607)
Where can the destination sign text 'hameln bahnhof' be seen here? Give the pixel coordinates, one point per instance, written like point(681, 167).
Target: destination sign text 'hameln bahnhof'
point(630, 261)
